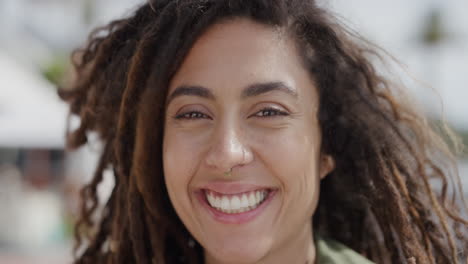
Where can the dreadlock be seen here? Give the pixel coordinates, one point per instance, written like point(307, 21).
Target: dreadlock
point(378, 201)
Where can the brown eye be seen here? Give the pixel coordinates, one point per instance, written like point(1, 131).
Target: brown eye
point(192, 116)
point(270, 112)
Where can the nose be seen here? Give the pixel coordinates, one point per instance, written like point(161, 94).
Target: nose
point(228, 150)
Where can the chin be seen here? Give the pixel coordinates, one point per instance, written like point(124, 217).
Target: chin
point(239, 252)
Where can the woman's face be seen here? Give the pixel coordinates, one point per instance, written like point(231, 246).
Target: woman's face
point(242, 100)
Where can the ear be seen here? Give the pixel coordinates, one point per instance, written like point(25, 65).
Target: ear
point(327, 165)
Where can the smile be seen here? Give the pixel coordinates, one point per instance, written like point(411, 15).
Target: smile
point(236, 203)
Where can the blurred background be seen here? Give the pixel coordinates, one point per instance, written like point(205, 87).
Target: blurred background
point(39, 181)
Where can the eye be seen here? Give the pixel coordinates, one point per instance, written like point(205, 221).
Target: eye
point(192, 115)
point(270, 112)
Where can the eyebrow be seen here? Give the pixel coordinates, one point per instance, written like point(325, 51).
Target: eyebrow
point(191, 90)
point(250, 91)
point(262, 88)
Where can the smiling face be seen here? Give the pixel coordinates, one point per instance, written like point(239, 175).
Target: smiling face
point(242, 100)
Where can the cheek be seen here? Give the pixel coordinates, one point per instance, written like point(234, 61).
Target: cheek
point(292, 156)
point(289, 152)
point(179, 163)
point(180, 157)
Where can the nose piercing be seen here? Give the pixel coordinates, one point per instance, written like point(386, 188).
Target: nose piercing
point(228, 173)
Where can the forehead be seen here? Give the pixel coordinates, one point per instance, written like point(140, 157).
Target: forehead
point(234, 54)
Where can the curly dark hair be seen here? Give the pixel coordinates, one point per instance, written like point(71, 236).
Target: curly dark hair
point(378, 201)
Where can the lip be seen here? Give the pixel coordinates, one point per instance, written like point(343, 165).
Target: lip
point(232, 187)
point(239, 218)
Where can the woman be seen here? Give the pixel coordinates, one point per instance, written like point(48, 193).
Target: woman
point(255, 132)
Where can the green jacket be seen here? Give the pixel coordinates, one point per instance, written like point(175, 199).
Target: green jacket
point(333, 252)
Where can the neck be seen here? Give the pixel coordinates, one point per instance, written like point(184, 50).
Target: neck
point(299, 248)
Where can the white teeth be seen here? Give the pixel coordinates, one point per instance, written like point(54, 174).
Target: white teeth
point(252, 199)
point(233, 204)
point(210, 198)
point(244, 201)
point(225, 203)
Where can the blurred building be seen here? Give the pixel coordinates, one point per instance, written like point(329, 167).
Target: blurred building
point(430, 37)
point(39, 181)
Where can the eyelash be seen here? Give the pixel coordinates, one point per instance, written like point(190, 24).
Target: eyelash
point(266, 113)
point(192, 115)
point(272, 112)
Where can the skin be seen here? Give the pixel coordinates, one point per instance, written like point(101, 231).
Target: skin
point(278, 149)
